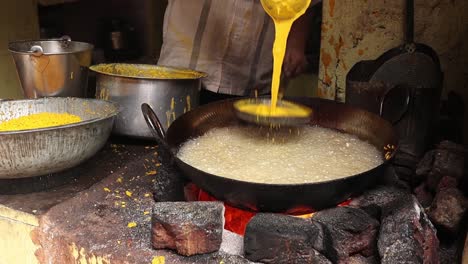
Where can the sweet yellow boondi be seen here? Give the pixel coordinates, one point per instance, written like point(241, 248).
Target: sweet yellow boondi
point(39, 120)
point(145, 71)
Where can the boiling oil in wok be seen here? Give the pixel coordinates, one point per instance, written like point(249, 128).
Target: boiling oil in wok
point(283, 156)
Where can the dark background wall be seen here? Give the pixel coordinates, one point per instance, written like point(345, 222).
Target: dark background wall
point(91, 21)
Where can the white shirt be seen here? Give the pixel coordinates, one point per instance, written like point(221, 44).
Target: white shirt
point(230, 40)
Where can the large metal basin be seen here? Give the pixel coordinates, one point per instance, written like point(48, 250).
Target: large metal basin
point(130, 85)
point(37, 152)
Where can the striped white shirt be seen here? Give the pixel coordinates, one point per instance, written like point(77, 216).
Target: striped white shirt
point(230, 40)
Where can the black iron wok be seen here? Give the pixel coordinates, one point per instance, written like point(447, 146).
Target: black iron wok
point(278, 197)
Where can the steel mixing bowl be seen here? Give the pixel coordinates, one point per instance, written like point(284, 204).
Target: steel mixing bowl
point(36, 152)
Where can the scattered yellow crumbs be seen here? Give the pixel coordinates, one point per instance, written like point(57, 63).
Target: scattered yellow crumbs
point(146, 213)
point(123, 206)
point(158, 164)
point(131, 224)
point(107, 189)
point(119, 180)
point(39, 120)
point(158, 260)
point(118, 242)
point(153, 172)
point(147, 195)
point(128, 193)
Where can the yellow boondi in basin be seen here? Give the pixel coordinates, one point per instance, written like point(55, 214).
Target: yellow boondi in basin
point(145, 71)
point(284, 109)
point(39, 120)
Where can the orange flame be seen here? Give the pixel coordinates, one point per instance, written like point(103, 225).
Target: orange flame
point(236, 219)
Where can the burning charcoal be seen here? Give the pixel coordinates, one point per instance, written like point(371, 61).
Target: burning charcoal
point(217, 257)
point(451, 146)
point(372, 201)
point(406, 234)
point(359, 259)
point(425, 165)
point(447, 182)
point(448, 209)
point(168, 185)
point(423, 195)
point(402, 251)
point(352, 231)
point(188, 227)
point(448, 162)
point(276, 238)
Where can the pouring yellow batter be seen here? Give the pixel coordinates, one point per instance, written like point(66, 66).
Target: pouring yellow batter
point(283, 13)
point(285, 109)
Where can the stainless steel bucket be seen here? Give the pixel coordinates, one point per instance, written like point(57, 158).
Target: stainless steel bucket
point(169, 91)
point(52, 68)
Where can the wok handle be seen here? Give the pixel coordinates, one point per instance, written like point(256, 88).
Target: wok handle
point(166, 155)
point(153, 122)
point(408, 97)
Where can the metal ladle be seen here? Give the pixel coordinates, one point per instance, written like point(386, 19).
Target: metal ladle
point(280, 10)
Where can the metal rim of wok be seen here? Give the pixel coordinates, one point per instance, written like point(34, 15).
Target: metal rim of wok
point(81, 123)
point(195, 74)
point(283, 197)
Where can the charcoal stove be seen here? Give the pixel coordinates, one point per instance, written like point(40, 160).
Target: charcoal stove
point(98, 212)
point(102, 211)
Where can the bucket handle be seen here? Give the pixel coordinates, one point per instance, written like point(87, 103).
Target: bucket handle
point(37, 50)
point(65, 38)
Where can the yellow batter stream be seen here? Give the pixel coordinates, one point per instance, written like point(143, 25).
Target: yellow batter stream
point(283, 13)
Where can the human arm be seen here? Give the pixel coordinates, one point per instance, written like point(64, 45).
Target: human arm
point(295, 61)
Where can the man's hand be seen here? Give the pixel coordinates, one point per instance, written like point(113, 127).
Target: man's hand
point(295, 61)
